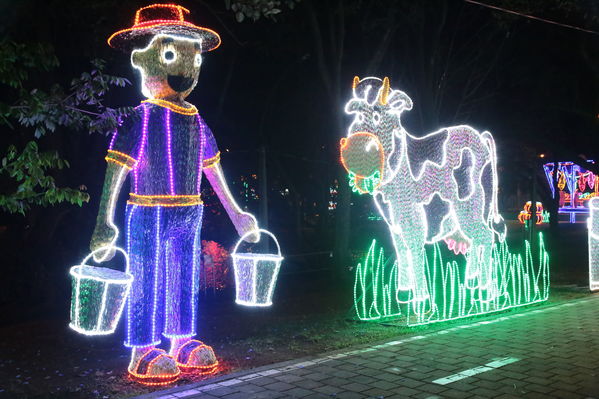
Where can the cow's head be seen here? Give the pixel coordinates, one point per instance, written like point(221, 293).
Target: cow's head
point(369, 143)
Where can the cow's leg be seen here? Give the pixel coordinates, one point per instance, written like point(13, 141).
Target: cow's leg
point(485, 265)
point(410, 254)
point(479, 268)
point(405, 276)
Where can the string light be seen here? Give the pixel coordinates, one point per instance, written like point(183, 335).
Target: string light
point(255, 274)
point(593, 227)
point(191, 110)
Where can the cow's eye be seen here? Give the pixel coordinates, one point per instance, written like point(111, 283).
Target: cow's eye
point(169, 54)
point(360, 117)
point(376, 117)
point(197, 60)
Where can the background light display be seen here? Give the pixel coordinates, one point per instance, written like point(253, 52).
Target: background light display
point(575, 187)
point(438, 187)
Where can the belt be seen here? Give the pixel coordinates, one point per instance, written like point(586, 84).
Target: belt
point(164, 200)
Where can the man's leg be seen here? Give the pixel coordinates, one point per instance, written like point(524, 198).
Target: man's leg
point(144, 311)
point(182, 272)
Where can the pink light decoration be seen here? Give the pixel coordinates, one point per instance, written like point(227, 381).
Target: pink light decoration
point(171, 175)
point(200, 153)
point(144, 140)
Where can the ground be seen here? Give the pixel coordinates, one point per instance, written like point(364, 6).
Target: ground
point(46, 359)
point(547, 352)
point(40, 357)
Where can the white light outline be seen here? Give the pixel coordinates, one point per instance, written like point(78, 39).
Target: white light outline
point(76, 273)
point(278, 258)
point(593, 237)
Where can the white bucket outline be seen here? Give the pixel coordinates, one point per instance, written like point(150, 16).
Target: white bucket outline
point(75, 271)
point(277, 258)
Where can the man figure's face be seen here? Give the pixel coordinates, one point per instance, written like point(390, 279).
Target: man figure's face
point(169, 66)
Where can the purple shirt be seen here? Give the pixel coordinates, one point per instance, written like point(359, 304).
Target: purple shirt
point(166, 148)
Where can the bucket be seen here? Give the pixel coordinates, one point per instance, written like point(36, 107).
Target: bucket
point(255, 274)
point(98, 296)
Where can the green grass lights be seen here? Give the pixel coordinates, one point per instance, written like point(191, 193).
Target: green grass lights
point(517, 280)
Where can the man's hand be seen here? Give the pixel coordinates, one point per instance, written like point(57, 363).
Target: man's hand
point(244, 223)
point(104, 236)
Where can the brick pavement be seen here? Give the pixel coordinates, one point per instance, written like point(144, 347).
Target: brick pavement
point(548, 352)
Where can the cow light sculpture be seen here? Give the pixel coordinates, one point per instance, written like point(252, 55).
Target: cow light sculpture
point(439, 187)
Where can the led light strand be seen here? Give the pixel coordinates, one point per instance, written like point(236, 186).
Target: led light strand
point(191, 110)
point(201, 128)
point(210, 162)
point(195, 262)
point(171, 173)
point(129, 315)
point(593, 240)
point(113, 139)
point(156, 268)
point(164, 200)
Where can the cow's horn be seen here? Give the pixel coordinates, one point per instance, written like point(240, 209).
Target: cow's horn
point(355, 82)
point(384, 91)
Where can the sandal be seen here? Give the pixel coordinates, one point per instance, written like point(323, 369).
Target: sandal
point(195, 355)
point(147, 363)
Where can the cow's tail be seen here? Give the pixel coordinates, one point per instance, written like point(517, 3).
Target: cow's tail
point(495, 219)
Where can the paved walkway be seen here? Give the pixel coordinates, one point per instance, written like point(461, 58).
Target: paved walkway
point(540, 353)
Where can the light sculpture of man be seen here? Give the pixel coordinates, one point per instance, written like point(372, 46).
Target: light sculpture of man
point(166, 146)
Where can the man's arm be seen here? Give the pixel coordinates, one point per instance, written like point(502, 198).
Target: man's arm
point(243, 221)
point(106, 232)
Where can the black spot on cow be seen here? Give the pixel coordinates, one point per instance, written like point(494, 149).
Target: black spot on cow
point(463, 174)
point(429, 148)
point(435, 211)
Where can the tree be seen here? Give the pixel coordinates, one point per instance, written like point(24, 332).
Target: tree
point(27, 169)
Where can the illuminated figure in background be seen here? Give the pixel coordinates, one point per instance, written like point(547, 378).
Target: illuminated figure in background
point(575, 187)
point(166, 146)
point(526, 214)
point(442, 186)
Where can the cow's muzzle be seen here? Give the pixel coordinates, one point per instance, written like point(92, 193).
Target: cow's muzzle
point(362, 155)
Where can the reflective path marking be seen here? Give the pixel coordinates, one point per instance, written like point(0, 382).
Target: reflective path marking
point(476, 370)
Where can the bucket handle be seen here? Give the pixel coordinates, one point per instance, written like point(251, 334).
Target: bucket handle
point(260, 231)
point(118, 249)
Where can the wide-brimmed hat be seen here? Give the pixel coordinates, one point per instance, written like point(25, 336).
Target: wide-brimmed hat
point(162, 18)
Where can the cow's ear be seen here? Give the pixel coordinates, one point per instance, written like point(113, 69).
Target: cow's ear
point(352, 106)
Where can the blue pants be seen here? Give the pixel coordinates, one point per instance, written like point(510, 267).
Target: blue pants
point(163, 244)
